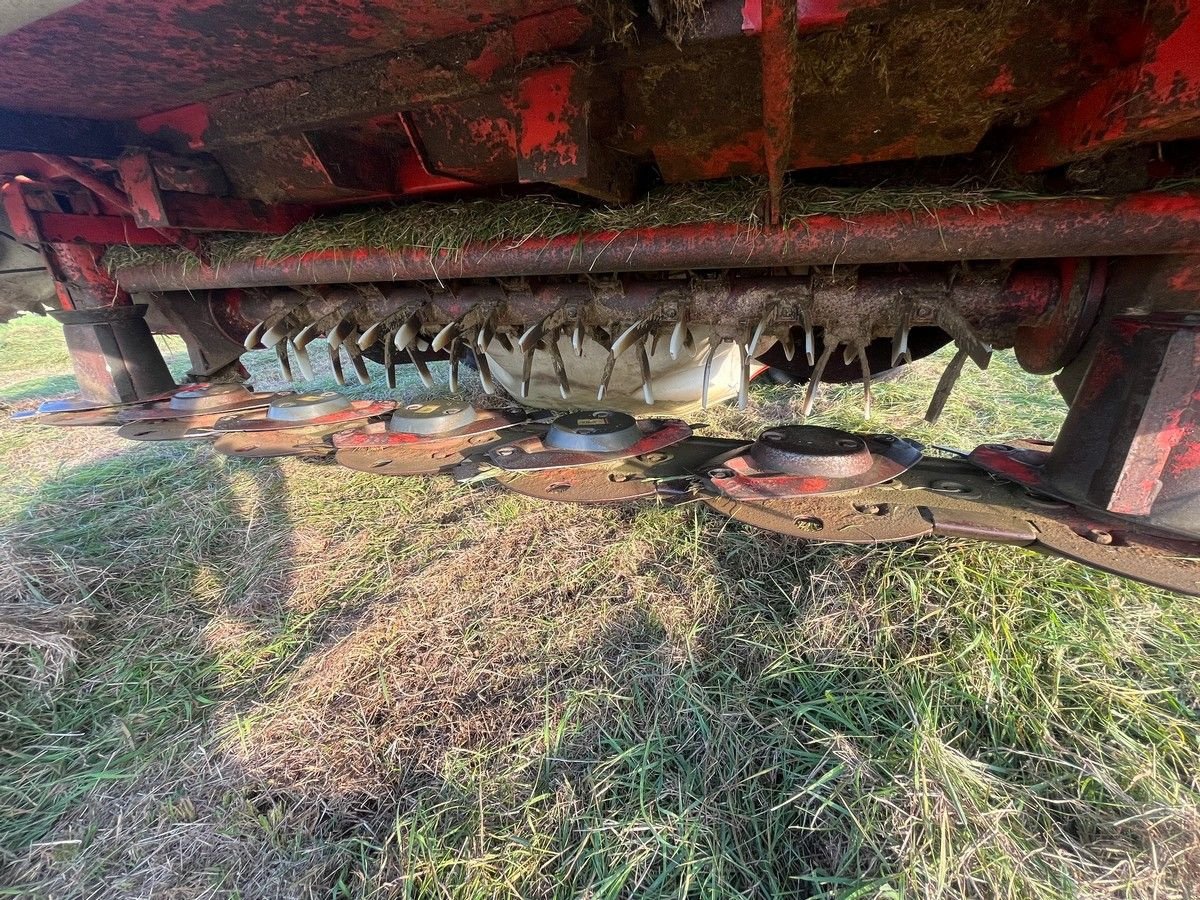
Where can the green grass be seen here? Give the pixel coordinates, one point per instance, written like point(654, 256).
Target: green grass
point(222, 678)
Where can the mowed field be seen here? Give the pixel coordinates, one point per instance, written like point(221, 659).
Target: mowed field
point(226, 678)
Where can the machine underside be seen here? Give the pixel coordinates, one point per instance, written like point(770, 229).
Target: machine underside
point(634, 208)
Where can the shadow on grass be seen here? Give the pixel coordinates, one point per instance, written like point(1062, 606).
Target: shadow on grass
point(37, 389)
point(141, 544)
point(305, 681)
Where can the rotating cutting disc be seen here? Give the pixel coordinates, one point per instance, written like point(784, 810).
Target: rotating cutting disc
point(806, 460)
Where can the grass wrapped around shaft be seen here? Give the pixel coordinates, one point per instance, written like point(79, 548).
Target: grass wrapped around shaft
point(453, 225)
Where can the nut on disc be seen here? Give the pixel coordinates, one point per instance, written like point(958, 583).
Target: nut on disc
point(305, 407)
point(435, 417)
point(596, 431)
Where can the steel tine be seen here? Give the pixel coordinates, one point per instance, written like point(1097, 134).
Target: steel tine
point(277, 332)
point(305, 335)
point(900, 349)
point(577, 335)
point(849, 353)
point(504, 341)
point(485, 373)
point(810, 344)
point(606, 375)
point(356, 359)
point(763, 323)
point(340, 333)
point(254, 336)
point(789, 344)
point(335, 362)
point(526, 371)
point(653, 341)
point(303, 362)
point(937, 403)
point(422, 369)
point(483, 337)
point(713, 343)
point(865, 365)
point(814, 381)
point(389, 363)
point(445, 336)
point(455, 351)
point(285, 365)
point(744, 379)
point(629, 337)
point(530, 337)
point(407, 332)
point(647, 384)
point(369, 337)
point(676, 342)
point(560, 368)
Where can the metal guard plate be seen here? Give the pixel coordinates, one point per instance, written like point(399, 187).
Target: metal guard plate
point(954, 498)
point(530, 454)
point(258, 421)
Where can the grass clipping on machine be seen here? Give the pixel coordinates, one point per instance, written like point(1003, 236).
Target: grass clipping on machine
point(451, 226)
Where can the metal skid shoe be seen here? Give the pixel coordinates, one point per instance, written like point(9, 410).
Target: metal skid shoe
point(294, 425)
point(427, 438)
point(171, 404)
point(821, 484)
point(190, 412)
point(600, 456)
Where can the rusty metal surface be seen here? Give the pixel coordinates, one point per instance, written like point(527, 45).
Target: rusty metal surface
point(955, 498)
point(310, 442)
point(428, 456)
point(1149, 223)
point(258, 422)
point(1131, 442)
point(804, 460)
point(217, 404)
point(667, 474)
point(1045, 347)
point(122, 58)
point(379, 434)
point(82, 417)
point(181, 429)
point(531, 454)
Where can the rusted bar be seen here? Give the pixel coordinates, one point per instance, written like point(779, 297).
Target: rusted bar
point(1138, 225)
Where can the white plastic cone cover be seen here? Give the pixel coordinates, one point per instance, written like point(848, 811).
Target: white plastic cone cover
point(676, 383)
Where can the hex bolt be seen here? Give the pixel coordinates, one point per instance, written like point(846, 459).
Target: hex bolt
point(720, 473)
point(871, 509)
point(1099, 536)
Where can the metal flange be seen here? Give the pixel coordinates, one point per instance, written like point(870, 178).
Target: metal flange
point(954, 498)
point(202, 400)
point(307, 442)
point(612, 431)
point(389, 434)
point(806, 460)
point(76, 411)
point(306, 410)
point(431, 456)
point(667, 474)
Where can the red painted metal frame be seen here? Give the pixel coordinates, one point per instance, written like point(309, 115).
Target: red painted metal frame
point(1157, 97)
point(1142, 224)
